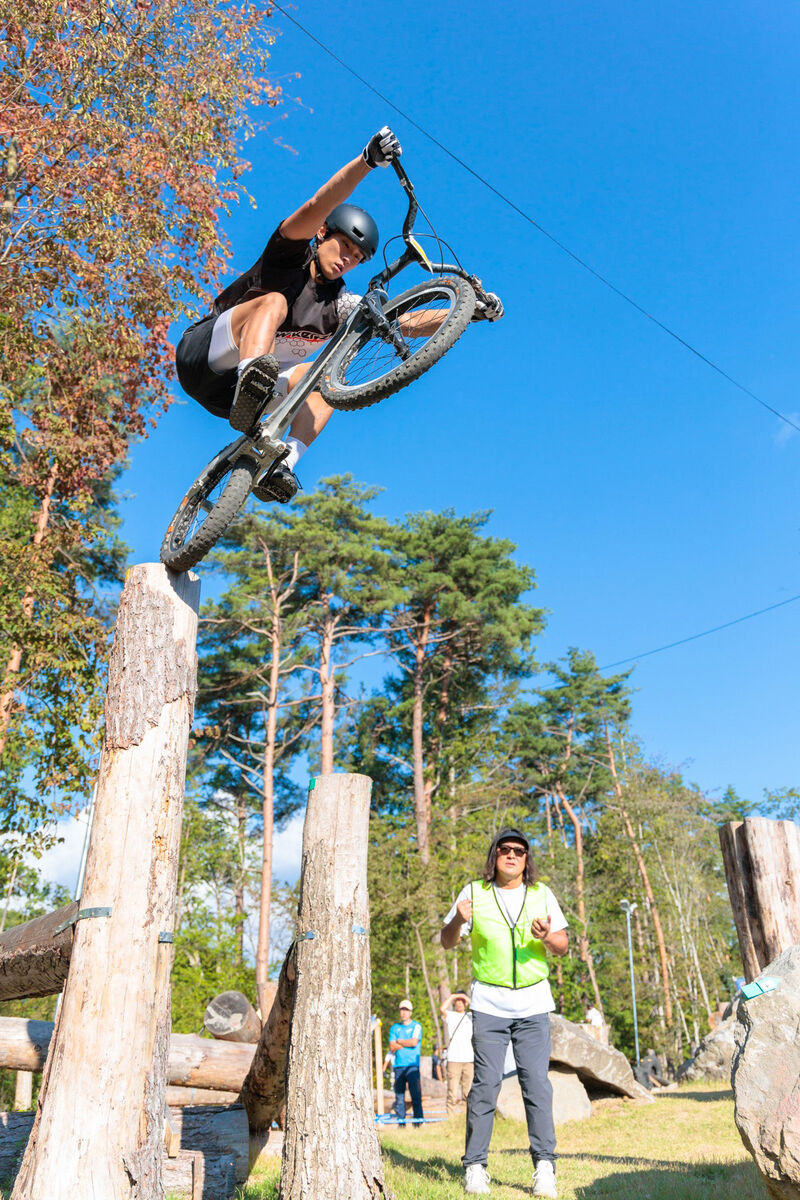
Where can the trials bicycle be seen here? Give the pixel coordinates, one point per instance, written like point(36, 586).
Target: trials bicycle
point(368, 358)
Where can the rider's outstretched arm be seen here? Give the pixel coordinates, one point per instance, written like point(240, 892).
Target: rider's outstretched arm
point(379, 152)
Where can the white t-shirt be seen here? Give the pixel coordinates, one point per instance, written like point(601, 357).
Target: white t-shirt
point(459, 1036)
point(593, 1016)
point(512, 1002)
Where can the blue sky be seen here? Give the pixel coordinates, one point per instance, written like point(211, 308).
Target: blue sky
point(653, 499)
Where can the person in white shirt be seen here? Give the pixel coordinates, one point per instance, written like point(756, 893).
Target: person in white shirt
point(458, 1023)
point(514, 922)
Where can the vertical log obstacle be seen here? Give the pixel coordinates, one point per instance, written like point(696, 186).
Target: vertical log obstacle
point(762, 870)
point(100, 1119)
point(330, 1147)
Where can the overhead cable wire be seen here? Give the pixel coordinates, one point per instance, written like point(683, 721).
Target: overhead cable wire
point(531, 221)
point(706, 633)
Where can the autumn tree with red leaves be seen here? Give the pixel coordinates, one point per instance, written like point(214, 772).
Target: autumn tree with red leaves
point(121, 129)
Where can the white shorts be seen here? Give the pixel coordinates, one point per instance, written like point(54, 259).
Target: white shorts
point(223, 355)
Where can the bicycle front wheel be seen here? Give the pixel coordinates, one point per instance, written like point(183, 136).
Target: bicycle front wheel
point(364, 368)
point(207, 509)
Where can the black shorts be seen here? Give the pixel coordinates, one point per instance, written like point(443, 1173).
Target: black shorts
point(210, 388)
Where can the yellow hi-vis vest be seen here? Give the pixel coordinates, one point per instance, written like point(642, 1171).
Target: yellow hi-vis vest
point(503, 954)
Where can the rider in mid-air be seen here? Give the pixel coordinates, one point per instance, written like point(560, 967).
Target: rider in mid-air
point(252, 345)
point(262, 327)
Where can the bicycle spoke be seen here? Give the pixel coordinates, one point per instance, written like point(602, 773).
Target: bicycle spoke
point(373, 357)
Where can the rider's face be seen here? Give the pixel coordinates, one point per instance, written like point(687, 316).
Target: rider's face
point(338, 254)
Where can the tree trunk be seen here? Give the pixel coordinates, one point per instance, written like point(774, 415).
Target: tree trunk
point(331, 1147)
point(584, 949)
point(34, 959)
point(421, 798)
point(9, 686)
point(327, 681)
point(642, 868)
point(119, 971)
point(263, 1091)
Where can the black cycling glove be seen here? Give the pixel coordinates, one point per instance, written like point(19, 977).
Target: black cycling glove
point(381, 148)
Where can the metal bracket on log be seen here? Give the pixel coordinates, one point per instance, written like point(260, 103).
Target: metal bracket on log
point(83, 914)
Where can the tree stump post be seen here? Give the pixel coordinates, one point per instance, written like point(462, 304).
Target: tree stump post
point(331, 1147)
point(100, 1117)
point(762, 870)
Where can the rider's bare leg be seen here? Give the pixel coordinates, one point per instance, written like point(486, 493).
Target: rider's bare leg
point(313, 415)
point(254, 324)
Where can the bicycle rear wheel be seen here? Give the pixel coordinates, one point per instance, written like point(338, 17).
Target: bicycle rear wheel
point(364, 368)
point(207, 509)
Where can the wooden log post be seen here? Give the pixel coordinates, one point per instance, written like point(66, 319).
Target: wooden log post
point(330, 1147)
point(23, 1091)
point(100, 1118)
point(264, 1089)
point(193, 1062)
point(762, 870)
point(231, 1017)
point(34, 956)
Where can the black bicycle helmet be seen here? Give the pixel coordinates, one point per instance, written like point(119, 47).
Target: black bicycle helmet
point(356, 224)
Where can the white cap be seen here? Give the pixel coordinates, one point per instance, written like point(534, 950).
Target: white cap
point(406, 1004)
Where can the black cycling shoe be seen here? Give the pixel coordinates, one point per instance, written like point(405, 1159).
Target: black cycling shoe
point(254, 390)
point(281, 484)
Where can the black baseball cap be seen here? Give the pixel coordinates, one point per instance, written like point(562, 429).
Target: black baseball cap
point(511, 835)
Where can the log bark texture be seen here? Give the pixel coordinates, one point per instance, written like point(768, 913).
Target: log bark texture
point(34, 959)
point(231, 1017)
point(110, 1149)
point(264, 1089)
point(762, 869)
point(193, 1062)
point(330, 1146)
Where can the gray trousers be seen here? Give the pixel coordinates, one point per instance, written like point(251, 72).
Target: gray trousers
point(530, 1037)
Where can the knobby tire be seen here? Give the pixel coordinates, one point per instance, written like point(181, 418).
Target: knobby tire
point(334, 386)
point(179, 552)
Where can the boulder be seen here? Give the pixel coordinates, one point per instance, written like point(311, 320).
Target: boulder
point(601, 1069)
point(570, 1100)
point(766, 1077)
point(714, 1056)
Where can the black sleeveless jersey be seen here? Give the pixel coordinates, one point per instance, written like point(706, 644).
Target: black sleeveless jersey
point(285, 267)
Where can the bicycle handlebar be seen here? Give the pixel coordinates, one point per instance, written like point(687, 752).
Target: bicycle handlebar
point(413, 251)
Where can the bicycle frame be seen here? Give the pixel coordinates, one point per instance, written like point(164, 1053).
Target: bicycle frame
point(267, 445)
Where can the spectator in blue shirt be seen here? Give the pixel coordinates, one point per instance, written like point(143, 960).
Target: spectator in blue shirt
point(405, 1039)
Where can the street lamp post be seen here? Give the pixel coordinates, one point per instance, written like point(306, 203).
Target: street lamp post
point(628, 908)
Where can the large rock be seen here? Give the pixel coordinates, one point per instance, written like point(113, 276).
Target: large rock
point(570, 1100)
point(714, 1056)
point(600, 1068)
point(766, 1077)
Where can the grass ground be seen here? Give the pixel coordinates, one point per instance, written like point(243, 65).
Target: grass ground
point(683, 1146)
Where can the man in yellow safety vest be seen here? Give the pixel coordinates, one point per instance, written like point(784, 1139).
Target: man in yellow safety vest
point(514, 922)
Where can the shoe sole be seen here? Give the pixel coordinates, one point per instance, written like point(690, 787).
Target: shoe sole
point(253, 393)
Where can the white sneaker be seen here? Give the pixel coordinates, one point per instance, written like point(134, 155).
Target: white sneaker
point(544, 1179)
point(477, 1181)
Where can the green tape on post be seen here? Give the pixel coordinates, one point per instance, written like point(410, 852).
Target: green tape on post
point(313, 783)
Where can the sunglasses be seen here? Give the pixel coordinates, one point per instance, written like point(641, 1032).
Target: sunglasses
point(517, 851)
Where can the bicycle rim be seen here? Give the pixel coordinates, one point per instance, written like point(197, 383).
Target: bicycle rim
point(370, 359)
